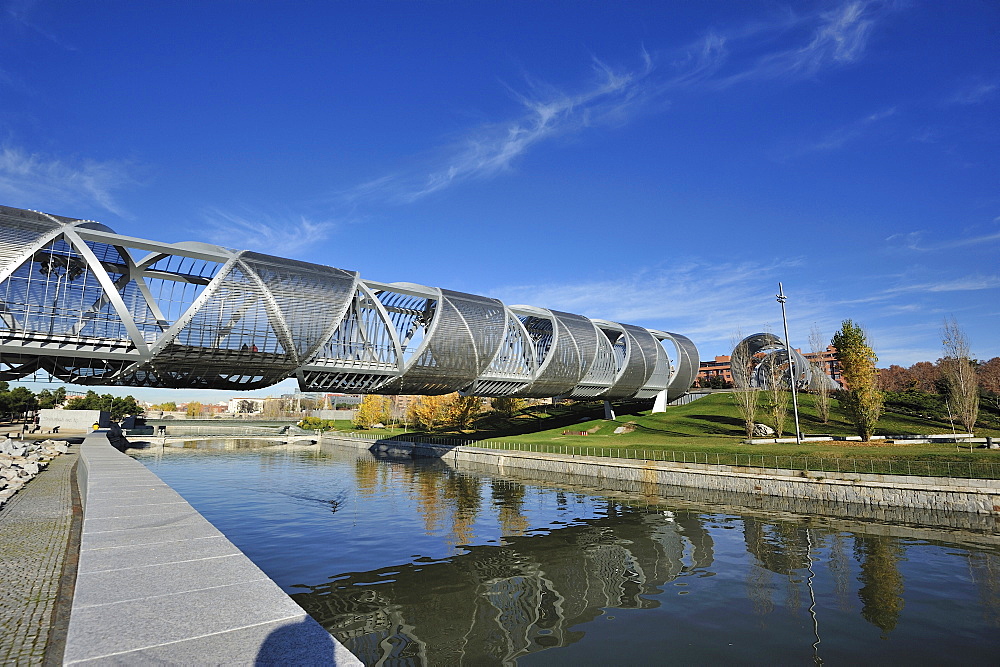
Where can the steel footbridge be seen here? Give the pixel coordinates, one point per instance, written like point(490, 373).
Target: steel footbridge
point(88, 306)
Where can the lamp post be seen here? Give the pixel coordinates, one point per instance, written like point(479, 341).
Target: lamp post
point(791, 365)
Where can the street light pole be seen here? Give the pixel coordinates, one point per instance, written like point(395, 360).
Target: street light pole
point(791, 366)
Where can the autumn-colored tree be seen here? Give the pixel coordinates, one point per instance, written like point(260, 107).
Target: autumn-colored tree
point(373, 409)
point(429, 412)
point(924, 376)
point(895, 378)
point(862, 398)
point(959, 373)
point(463, 410)
point(506, 405)
point(194, 409)
point(989, 380)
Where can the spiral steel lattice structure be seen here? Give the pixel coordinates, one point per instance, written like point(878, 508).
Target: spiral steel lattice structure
point(93, 307)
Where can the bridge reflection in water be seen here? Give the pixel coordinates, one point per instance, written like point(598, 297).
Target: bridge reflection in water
point(492, 570)
point(529, 593)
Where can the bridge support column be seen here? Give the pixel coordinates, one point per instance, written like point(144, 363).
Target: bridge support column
point(609, 412)
point(660, 404)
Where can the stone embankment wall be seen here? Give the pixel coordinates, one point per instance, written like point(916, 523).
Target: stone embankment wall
point(944, 494)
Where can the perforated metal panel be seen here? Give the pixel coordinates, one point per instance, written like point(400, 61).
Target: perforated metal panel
point(91, 307)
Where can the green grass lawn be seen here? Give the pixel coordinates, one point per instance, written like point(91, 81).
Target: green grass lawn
point(710, 430)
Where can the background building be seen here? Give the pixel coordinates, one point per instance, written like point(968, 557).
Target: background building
point(721, 370)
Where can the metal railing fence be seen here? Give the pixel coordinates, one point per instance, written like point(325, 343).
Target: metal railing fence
point(180, 431)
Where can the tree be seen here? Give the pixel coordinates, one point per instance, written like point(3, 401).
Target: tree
point(959, 373)
point(48, 400)
point(463, 410)
point(429, 412)
point(245, 406)
point(717, 382)
point(374, 409)
point(89, 402)
point(506, 405)
point(123, 406)
point(746, 396)
point(989, 380)
point(21, 400)
point(924, 376)
point(775, 396)
point(862, 398)
point(119, 406)
point(194, 409)
point(895, 378)
point(820, 384)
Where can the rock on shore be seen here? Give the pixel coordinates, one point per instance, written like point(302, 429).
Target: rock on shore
point(21, 461)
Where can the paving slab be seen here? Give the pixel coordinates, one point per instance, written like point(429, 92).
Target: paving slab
point(112, 558)
point(157, 583)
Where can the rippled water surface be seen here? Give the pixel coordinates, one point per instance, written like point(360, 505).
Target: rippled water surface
point(416, 562)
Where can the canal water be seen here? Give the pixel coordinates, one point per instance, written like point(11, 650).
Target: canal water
point(415, 562)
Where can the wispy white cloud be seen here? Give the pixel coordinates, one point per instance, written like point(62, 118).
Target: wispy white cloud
point(915, 240)
point(836, 38)
point(615, 95)
point(28, 179)
point(973, 93)
point(19, 13)
point(276, 235)
point(841, 136)
point(852, 131)
point(960, 284)
point(703, 300)
point(610, 98)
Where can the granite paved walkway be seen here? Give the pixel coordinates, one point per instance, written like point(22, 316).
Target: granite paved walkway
point(158, 584)
point(35, 526)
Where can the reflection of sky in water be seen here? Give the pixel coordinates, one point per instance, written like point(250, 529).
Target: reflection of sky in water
point(419, 564)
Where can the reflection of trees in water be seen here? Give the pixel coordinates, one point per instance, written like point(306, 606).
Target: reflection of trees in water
point(508, 497)
point(781, 547)
point(881, 592)
point(426, 489)
point(366, 476)
point(494, 603)
point(840, 569)
point(984, 569)
point(462, 492)
point(758, 581)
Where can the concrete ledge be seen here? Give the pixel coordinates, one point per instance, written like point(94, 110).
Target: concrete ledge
point(950, 494)
point(158, 583)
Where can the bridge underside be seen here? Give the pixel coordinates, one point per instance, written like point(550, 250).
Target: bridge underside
point(88, 306)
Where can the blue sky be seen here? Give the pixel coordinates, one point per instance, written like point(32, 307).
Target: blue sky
point(656, 163)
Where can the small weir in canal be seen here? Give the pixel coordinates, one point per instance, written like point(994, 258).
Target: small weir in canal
point(417, 562)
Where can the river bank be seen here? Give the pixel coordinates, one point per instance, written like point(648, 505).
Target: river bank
point(939, 494)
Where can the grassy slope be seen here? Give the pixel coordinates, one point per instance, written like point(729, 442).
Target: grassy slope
point(711, 424)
